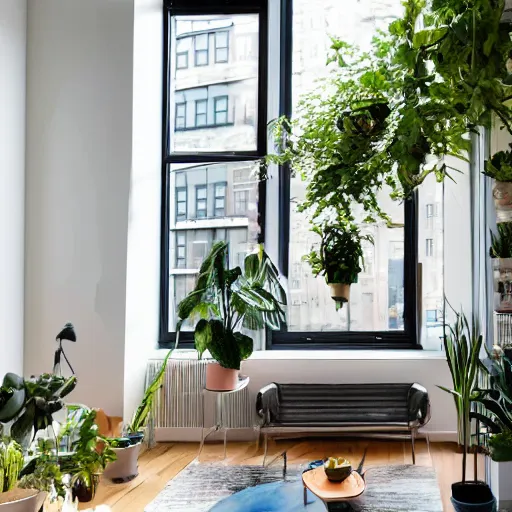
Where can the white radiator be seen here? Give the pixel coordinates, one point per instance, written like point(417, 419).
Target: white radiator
point(180, 404)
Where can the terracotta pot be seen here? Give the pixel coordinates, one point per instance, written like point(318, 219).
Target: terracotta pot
point(340, 292)
point(125, 467)
point(502, 194)
point(219, 378)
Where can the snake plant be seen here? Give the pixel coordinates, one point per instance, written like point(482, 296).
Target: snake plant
point(462, 346)
point(11, 462)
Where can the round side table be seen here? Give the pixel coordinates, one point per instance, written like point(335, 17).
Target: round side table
point(220, 411)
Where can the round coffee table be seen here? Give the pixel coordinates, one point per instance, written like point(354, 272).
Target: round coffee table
point(332, 492)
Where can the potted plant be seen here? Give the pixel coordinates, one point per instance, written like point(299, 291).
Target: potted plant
point(339, 258)
point(28, 405)
point(499, 168)
point(462, 346)
point(127, 448)
point(13, 499)
point(501, 254)
point(227, 301)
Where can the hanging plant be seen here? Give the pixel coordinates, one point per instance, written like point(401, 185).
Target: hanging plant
point(339, 257)
point(388, 117)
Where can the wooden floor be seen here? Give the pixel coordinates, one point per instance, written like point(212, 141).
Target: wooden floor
point(161, 464)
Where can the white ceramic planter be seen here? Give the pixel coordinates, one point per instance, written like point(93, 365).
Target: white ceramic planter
point(501, 484)
point(125, 467)
point(29, 504)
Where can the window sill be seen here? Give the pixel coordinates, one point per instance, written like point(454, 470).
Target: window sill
point(320, 355)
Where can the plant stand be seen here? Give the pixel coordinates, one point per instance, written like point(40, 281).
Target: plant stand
point(501, 484)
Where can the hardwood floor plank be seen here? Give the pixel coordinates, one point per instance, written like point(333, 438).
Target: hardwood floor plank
point(166, 460)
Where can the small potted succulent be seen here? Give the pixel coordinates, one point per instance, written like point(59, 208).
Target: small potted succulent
point(339, 257)
point(499, 168)
point(227, 302)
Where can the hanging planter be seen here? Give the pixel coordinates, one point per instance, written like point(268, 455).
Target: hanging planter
point(499, 168)
point(339, 257)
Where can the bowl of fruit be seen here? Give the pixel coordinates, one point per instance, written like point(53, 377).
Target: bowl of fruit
point(337, 469)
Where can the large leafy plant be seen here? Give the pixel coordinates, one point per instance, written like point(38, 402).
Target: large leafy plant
point(462, 345)
point(499, 167)
point(28, 405)
point(340, 254)
point(388, 117)
point(228, 300)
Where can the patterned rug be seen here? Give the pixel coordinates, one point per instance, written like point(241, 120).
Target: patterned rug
point(221, 488)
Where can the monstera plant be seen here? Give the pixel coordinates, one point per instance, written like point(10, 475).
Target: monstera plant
point(227, 302)
point(27, 405)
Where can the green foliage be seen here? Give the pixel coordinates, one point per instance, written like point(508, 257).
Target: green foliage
point(462, 345)
point(340, 254)
point(501, 243)
point(91, 451)
point(11, 463)
point(46, 471)
point(141, 415)
point(500, 446)
point(389, 116)
point(32, 403)
point(226, 300)
point(499, 167)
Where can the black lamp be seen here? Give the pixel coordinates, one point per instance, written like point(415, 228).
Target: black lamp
point(68, 333)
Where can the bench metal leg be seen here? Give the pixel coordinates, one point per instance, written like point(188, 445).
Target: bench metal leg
point(413, 436)
point(266, 449)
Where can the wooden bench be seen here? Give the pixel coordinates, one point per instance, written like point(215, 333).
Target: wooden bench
point(376, 410)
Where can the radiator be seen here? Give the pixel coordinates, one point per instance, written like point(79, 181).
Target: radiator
point(180, 404)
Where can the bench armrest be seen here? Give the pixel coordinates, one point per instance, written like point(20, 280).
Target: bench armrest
point(267, 403)
point(418, 405)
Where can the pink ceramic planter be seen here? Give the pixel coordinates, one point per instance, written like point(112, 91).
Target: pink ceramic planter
point(219, 378)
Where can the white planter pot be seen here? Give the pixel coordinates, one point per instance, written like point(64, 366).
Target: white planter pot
point(502, 195)
point(501, 484)
point(126, 466)
point(30, 504)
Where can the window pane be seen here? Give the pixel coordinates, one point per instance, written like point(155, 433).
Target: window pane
point(377, 300)
point(192, 238)
point(203, 81)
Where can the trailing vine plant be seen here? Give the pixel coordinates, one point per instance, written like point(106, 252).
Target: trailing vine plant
point(389, 116)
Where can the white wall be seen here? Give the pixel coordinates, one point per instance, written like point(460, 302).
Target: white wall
point(79, 154)
point(143, 273)
point(13, 31)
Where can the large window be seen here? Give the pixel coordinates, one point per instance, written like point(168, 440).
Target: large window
point(218, 135)
point(210, 150)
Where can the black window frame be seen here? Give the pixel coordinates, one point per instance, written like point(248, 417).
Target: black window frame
point(205, 199)
point(223, 197)
point(167, 338)
point(279, 340)
point(202, 50)
point(217, 100)
point(216, 47)
point(205, 114)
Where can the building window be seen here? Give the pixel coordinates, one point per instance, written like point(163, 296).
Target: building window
point(181, 203)
point(430, 210)
point(201, 111)
point(181, 249)
point(241, 202)
point(201, 50)
point(201, 201)
point(220, 199)
point(221, 46)
point(429, 247)
point(182, 53)
point(181, 115)
point(431, 315)
point(220, 110)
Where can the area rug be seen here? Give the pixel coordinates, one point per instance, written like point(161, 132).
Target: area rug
point(221, 488)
